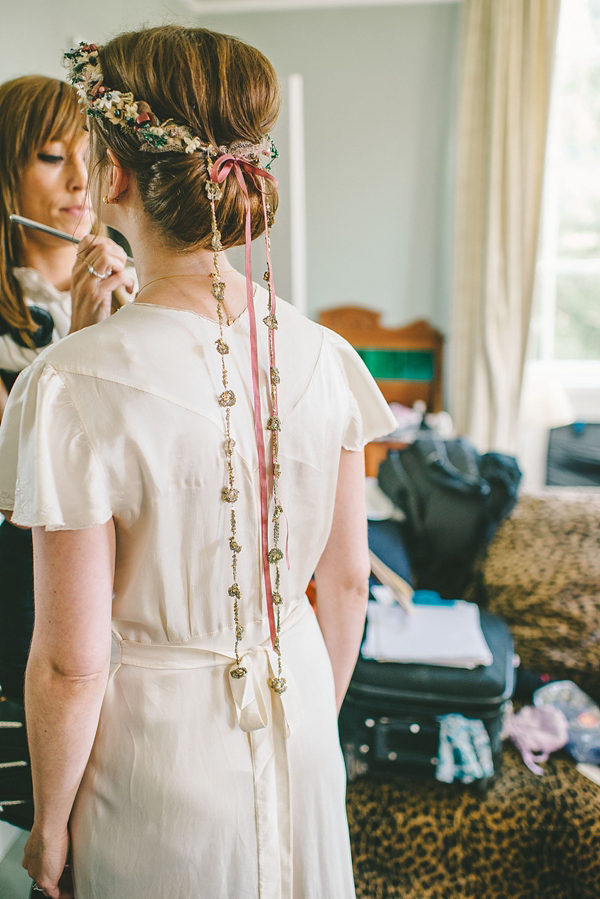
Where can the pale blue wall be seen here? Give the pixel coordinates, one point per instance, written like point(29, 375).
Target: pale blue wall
point(380, 85)
point(380, 112)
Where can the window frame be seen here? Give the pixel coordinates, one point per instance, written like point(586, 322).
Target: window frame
point(577, 374)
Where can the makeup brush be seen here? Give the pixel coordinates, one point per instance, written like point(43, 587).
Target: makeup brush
point(37, 226)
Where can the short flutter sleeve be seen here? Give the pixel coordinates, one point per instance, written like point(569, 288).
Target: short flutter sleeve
point(369, 414)
point(49, 474)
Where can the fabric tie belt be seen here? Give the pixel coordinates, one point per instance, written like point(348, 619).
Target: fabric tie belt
point(268, 718)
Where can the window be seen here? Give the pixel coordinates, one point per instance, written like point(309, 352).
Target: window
point(566, 322)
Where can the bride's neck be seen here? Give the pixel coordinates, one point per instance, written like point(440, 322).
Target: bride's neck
point(155, 260)
point(169, 276)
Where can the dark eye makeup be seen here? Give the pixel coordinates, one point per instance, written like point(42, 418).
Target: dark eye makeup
point(49, 157)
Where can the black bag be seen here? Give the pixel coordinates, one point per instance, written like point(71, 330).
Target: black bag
point(16, 792)
point(389, 721)
point(454, 499)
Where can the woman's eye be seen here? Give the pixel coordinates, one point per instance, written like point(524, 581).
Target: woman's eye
point(49, 157)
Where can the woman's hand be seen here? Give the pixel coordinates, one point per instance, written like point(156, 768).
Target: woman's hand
point(45, 860)
point(90, 295)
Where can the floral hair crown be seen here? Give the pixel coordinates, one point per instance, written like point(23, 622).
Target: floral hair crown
point(136, 116)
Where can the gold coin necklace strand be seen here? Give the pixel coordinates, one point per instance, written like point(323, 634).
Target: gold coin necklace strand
point(227, 399)
point(277, 683)
point(228, 316)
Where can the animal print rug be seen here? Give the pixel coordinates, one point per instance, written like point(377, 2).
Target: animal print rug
point(529, 837)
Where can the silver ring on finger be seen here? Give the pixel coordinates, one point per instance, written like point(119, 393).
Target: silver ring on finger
point(99, 275)
point(36, 887)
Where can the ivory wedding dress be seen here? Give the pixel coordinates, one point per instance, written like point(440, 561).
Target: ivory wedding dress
point(194, 790)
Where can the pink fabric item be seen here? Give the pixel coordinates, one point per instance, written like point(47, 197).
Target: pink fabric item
point(536, 732)
point(223, 167)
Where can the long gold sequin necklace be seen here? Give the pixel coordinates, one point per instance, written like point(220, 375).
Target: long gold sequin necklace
point(272, 557)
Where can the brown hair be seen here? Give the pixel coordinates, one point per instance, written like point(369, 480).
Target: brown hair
point(223, 90)
point(33, 110)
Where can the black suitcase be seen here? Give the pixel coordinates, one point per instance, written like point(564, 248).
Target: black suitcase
point(389, 721)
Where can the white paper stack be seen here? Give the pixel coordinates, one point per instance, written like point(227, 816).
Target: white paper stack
point(431, 635)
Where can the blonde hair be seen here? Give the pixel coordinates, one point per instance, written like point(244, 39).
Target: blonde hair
point(223, 90)
point(33, 110)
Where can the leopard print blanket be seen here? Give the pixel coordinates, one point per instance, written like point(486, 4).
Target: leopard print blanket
point(528, 837)
point(542, 575)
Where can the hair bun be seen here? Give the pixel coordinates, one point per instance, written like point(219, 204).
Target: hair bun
point(221, 89)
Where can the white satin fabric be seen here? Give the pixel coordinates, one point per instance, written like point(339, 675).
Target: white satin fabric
point(198, 786)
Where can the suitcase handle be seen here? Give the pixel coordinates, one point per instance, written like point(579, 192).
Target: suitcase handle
point(404, 740)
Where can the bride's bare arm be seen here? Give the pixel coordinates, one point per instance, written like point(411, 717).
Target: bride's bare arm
point(342, 575)
point(65, 682)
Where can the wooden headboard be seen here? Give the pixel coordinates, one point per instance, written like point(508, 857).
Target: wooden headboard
point(406, 362)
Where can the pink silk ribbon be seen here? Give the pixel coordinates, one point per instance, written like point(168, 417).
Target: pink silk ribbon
point(223, 167)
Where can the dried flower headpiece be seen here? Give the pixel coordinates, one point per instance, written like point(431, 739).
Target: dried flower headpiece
point(136, 116)
point(242, 159)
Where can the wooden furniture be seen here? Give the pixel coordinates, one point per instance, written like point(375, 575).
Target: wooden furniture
point(406, 362)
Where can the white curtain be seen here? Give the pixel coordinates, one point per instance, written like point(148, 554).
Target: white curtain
point(508, 51)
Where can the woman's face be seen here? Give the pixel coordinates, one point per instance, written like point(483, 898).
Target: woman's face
point(53, 188)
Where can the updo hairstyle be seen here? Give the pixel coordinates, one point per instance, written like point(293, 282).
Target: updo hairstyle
point(218, 86)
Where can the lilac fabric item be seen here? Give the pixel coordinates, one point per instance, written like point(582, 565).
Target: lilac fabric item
point(536, 732)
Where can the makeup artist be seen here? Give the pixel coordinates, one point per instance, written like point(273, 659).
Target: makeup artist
point(48, 289)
